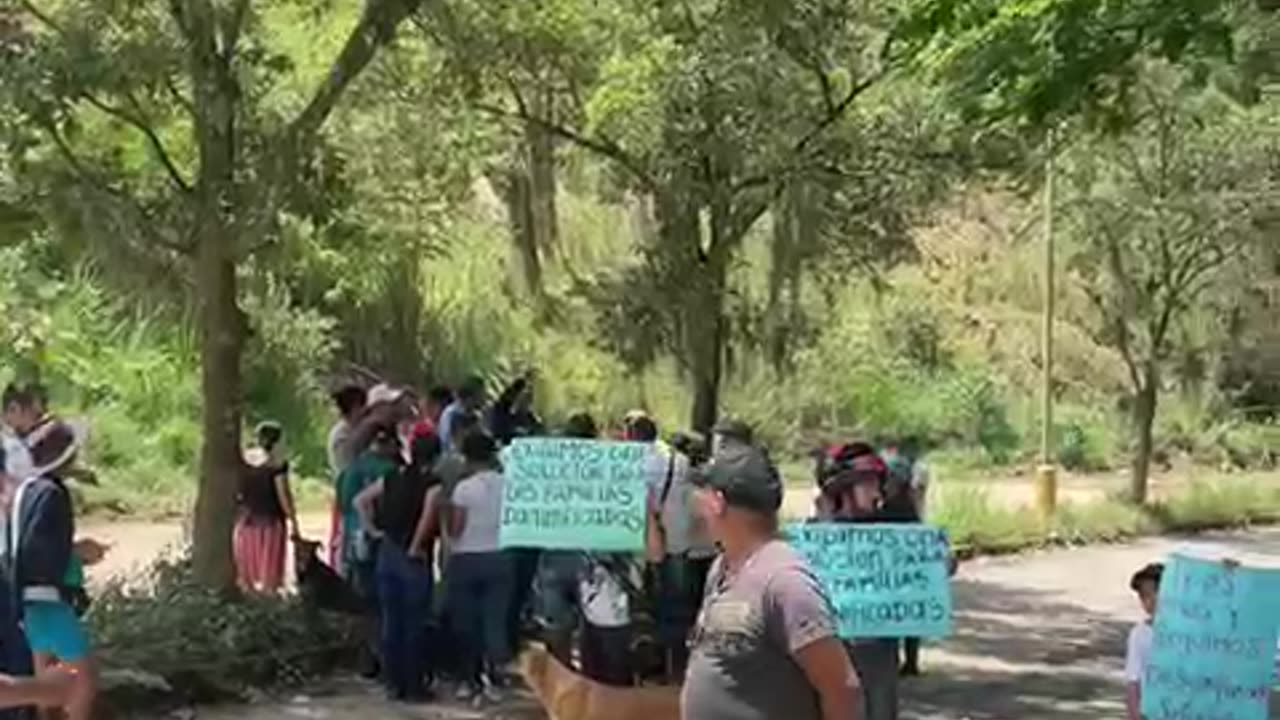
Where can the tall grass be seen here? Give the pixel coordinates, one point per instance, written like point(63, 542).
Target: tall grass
point(977, 522)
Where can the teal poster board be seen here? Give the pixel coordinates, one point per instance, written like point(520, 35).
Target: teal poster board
point(569, 494)
point(885, 580)
point(1214, 642)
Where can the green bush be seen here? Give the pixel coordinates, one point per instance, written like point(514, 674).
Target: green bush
point(210, 646)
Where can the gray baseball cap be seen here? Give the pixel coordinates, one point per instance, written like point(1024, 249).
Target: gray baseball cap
point(746, 478)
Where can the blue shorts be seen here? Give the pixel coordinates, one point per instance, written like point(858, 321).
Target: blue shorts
point(53, 629)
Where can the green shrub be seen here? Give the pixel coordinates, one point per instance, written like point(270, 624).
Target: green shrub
point(208, 646)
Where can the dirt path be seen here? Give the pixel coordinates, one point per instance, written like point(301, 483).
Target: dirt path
point(1037, 636)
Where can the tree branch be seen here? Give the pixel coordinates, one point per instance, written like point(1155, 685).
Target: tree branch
point(179, 14)
point(141, 125)
point(831, 117)
point(232, 28)
point(602, 146)
point(91, 179)
point(183, 101)
point(375, 29)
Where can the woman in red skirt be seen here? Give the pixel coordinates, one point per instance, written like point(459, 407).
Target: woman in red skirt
point(266, 516)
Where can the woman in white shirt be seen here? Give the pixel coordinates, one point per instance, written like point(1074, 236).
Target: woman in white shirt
point(480, 575)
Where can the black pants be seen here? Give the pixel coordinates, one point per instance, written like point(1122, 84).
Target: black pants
point(876, 662)
point(526, 567)
point(606, 654)
point(680, 583)
point(911, 653)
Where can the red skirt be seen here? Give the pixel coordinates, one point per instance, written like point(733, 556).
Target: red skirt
point(259, 547)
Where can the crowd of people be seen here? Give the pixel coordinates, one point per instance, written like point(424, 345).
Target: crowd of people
point(730, 611)
point(418, 492)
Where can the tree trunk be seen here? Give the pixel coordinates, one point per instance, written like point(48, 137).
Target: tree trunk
point(222, 324)
point(706, 320)
point(706, 350)
point(791, 237)
point(512, 184)
point(541, 159)
point(1144, 415)
point(220, 461)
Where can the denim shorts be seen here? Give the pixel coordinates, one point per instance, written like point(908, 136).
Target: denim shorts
point(53, 629)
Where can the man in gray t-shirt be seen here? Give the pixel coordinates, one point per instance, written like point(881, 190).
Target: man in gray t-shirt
point(765, 642)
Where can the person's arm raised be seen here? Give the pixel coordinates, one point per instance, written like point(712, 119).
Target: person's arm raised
point(384, 413)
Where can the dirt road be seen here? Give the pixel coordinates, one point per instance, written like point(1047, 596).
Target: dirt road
point(1037, 636)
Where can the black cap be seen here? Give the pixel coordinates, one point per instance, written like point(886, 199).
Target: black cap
point(746, 478)
point(736, 429)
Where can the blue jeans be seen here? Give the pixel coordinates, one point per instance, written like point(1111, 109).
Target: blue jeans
point(556, 600)
point(404, 593)
point(479, 590)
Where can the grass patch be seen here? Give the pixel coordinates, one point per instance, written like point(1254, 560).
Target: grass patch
point(979, 525)
point(1223, 503)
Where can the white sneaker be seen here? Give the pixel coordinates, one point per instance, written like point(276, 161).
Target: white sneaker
point(489, 690)
point(465, 693)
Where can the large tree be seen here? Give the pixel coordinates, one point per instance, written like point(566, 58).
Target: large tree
point(174, 130)
point(708, 109)
point(1157, 216)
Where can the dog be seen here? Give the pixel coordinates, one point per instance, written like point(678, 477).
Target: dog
point(566, 695)
point(323, 590)
point(319, 585)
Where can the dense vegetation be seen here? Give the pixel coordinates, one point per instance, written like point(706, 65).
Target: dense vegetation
point(821, 215)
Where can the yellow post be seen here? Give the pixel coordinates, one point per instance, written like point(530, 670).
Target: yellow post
point(1046, 490)
point(1046, 475)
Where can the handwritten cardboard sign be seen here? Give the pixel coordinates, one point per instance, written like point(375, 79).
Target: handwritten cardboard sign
point(884, 580)
point(1214, 640)
point(569, 494)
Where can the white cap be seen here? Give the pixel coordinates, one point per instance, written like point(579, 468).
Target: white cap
point(383, 393)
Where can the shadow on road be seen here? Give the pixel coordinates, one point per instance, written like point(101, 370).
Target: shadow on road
point(1021, 653)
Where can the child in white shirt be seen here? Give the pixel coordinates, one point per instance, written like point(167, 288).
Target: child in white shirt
point(606, 608)
point(1146, 583)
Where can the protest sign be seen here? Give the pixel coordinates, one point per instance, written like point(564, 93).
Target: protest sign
point(884, 580)
point(570, 494)
point(1213, 644)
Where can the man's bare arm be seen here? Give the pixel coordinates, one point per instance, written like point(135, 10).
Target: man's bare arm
point(827, 666)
